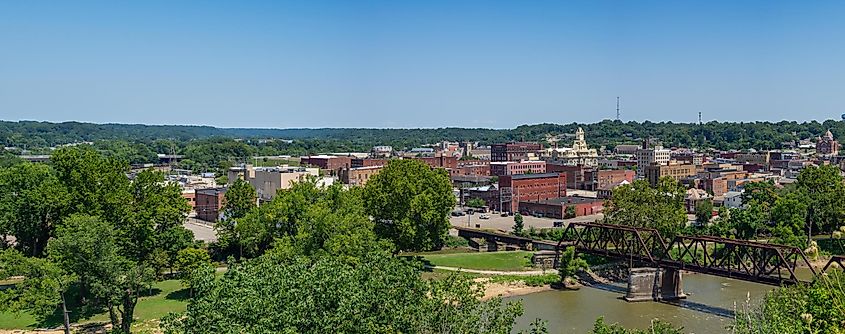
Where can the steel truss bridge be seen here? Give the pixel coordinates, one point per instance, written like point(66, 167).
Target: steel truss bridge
point(745, 260)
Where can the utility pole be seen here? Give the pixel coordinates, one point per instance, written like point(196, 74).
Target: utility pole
point(617, 109)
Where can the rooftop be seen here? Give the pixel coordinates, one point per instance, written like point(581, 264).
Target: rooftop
point(567, 200)
point(534, 176)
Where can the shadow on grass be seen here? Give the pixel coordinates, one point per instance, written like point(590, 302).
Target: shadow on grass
point(80, 311)
point(182, 294)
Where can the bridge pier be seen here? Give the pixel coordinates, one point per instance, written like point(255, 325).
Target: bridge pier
point(646, 284)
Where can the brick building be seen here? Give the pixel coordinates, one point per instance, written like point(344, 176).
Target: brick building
point(500, 168)
point(209, 203)
point(358, 176)
point(440, 162)
point(531, 187)
point(595, 179)
point(330, 163)
point(367, 162)
point(826, 145)
point(557, 207)
point(515, 151)
point(678, 172)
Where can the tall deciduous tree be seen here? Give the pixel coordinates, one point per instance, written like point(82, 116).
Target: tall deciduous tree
point(410, 203)
point(42, 289)
point(824, 192)
point(239, 200)
point(266, 295)
point(32, 203)
point(638, 204)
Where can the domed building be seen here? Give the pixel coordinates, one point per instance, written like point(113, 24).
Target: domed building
point(577, 155)
point(826, 145)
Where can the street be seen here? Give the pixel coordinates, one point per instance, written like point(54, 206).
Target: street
point(202, 230)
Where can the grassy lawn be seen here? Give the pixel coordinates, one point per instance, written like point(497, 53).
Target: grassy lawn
point(504, 261)
point(167, 296)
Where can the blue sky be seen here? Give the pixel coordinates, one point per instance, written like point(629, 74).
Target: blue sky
point(419, 63)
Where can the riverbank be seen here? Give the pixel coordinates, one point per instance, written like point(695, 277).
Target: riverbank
point(509, 289)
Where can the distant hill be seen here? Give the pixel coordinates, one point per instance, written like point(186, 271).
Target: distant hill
point(726, 135)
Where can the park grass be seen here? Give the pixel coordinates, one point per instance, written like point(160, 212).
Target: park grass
point(502, 261)
point(166, 296)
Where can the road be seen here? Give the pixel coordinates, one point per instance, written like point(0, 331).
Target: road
point(506, 223)
point(202, 230)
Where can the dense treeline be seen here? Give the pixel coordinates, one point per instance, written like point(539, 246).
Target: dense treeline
point(719, 135)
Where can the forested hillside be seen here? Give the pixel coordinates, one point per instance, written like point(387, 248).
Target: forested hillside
point(758, 135)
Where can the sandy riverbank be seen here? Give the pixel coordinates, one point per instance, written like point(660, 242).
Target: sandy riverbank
point(508, 289)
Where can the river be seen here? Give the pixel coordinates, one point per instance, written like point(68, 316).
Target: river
point(708, 309)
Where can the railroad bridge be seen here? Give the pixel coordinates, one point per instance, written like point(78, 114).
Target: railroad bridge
point(655, 265)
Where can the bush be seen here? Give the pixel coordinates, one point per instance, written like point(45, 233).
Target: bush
point(452, 241)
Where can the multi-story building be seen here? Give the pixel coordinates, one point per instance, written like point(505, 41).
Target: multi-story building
point(595, 179)
point(382, 151)
point(676, 171)
point(367, 162)
point(358, 176)
point(268, 180)
point(330, 163)
point(651, 156)
point(826, 145)
point(530, 187)
point(754, 158)
point(515, 151)
point(471, 167)
point(500, 168)
point(577, 155)
point(209, 203)
point(626, 149)
point(558, 207)
point(440, 162)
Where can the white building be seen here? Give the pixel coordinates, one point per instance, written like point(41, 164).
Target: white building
point(651, 156)
point(577, 155)
point(733, 200)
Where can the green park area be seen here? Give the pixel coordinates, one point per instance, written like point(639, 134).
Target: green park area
point(162, 298)
point(501, 261)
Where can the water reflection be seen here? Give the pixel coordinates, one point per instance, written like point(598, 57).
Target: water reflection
point(709, 308)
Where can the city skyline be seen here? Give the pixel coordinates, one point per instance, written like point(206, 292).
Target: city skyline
point(413, 65)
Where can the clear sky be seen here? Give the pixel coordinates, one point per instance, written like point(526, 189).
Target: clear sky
point(419, 63)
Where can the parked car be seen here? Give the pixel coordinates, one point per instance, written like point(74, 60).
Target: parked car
point(558, 224)
point(457, 213)
point(504, 214)
point(484, 216)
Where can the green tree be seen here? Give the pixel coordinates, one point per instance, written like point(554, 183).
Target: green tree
point(749, 222)
point(570, 212)
point(265, 295)
point(824, 192)
point(640, 205)
point(518, 224)
point(703, 212)
point(570, 263)
point(239, 200)
point(656, 327)
point(43, 287)
point(32, 203)
point(788, 215)
point(410, 204)
point(763, 192)
point(475, 203)
point(193, 265)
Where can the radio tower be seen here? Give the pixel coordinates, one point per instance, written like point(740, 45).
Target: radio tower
point(617, 108)
point(699, 118)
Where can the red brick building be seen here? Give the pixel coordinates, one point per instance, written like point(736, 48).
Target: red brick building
point(209, 203)
point(500, 168)
point(598, 179)
point(367, 162)
point(358, 176)
point(531, 187)
point(557, 207)
point(440, 162)
point(515, 151)
point(330, 163)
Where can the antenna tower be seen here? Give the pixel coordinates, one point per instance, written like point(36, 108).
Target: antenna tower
point(699, 118)
point(617, 108)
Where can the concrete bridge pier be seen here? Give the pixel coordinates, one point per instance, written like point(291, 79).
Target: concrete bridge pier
point(647, 284)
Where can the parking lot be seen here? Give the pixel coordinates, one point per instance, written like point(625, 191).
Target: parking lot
point(506, 223)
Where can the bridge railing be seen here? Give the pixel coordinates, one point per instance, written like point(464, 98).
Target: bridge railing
point(747, 260)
